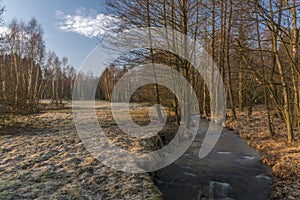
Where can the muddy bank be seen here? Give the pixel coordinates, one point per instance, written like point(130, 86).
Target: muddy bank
point(42, 157)
point(277, 153)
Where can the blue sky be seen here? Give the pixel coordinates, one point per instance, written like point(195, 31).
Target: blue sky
point(72, 27)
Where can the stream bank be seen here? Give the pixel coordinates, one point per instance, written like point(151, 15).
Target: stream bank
point(282, 157)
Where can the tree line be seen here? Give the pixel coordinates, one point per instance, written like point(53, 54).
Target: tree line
point(28, 73)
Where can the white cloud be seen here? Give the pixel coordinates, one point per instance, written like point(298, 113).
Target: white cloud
point(90, 26)
point(4, 30)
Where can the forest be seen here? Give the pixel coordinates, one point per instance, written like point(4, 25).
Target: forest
point(255, 45)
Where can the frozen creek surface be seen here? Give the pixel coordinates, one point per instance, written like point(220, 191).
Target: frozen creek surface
point(231, 171)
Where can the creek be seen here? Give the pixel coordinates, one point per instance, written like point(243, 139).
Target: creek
point(231, 171)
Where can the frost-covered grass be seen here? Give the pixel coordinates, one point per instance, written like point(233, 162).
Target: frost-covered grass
point(42, 157)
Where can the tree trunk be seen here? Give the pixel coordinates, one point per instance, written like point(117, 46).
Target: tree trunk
point(285, 93)
point(159, 113)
